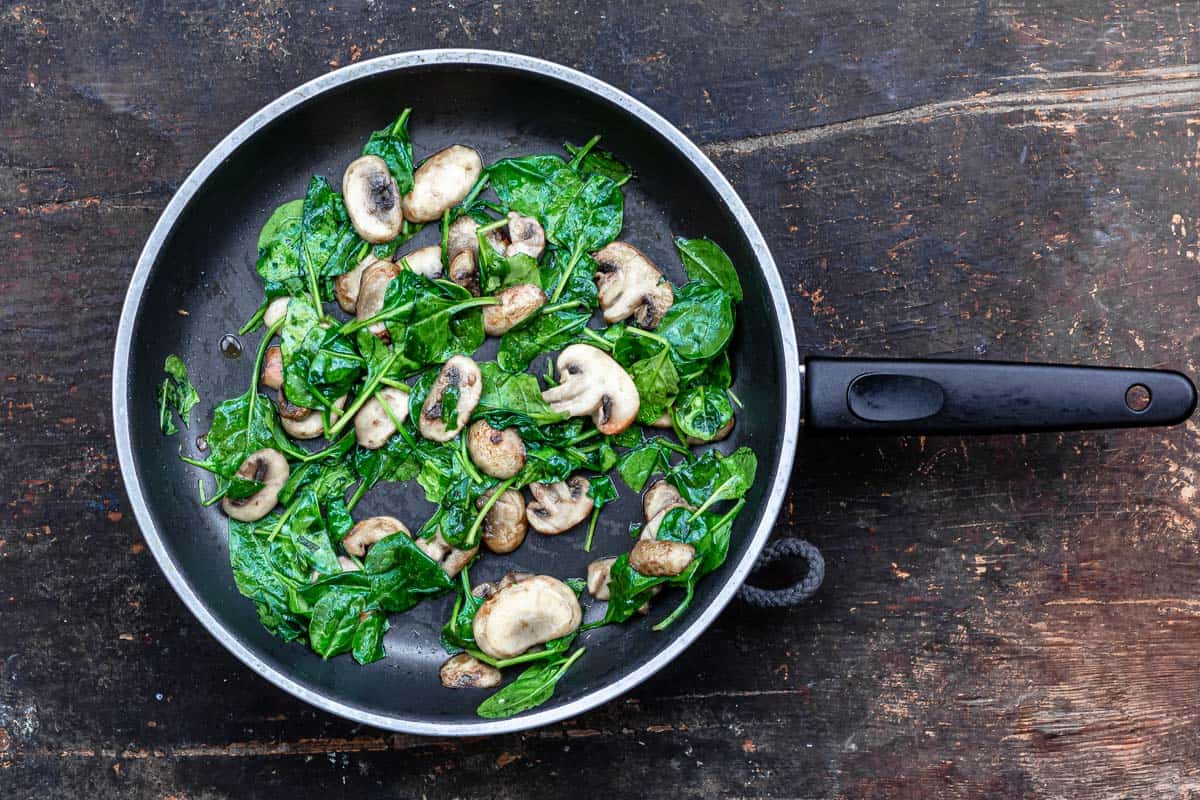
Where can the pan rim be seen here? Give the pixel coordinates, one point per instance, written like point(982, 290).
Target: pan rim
point(465, 58)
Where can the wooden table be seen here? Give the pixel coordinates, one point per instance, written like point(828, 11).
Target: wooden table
point(1009, 617)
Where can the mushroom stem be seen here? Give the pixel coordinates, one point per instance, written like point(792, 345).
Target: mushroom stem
point(258, 362)
point(562, 284)
point(473, 531)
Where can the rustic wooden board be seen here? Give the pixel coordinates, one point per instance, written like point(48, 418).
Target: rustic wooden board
point(1015, 617)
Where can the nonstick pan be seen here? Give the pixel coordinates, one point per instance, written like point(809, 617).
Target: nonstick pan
point(200, 260)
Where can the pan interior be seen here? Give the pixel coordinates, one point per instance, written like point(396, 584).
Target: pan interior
point(206, 269)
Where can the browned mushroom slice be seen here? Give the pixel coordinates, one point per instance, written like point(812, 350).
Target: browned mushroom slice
point(372, 291)
point(630, 285)
point(451, 559)
point(500, 454)
point(465, 671)
point(504, 526)
point(272, 368)
point(311, 424)
point(269, 468)
point(425, 261)
point(372, 199)
point(462, 374)
point(464, 270)
point(591, 382)
point(661, 559)
point(558, 507)
point(441, 182)
point(516, 305)
point(374, 424)
point(346, 285)
point(526, 614)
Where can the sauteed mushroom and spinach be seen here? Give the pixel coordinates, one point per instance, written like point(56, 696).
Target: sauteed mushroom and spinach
point(371, 344)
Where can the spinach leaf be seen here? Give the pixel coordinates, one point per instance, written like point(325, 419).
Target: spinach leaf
point(281, 219)
point(580, 288)
point(500, 272)
point(599, 162)
point(506, 393)
point(266, 571)
point(706, 262)
point(544, 332)
point(585, 215)
point(175, 393)
point(714, 372)
point(712, 477)
point(393, 145)
point(637, 464)
point(458, 633)
point(603, 491)
point(335, 618)
point(699, 324)
point(532, 687)
point(329, 243)
point(528, 184)
point(657, 383)
point(240, 426)
point(367, 645)
point(319, 365)
point(702, 411)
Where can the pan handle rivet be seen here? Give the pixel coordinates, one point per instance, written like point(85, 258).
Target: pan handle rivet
point(1137, 397)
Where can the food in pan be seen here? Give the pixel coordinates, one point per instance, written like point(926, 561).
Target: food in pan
point(371, 343)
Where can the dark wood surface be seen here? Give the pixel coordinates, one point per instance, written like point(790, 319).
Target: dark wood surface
point(1009, 617)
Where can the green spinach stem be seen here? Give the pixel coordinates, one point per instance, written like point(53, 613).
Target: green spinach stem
point(583, 151)
point(679, 609)
point(287, 512)
point(473, 532)
point(254, 321)
point(576, 253)
point(600, 341)
point(561, 306)
point(648, 335)
point(368, 390)
point(587, 543)
point(465, 459)
point(252, 397)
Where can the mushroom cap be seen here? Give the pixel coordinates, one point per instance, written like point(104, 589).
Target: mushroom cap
point(369, 531)
point(525, 235)
point(372, 199)
point(272, 368)
point(372, 290)
point(373, 425)
point(598, 573)
point(458, 371)
point(449, 558)
point(312, 424)
point(515, 306)
point(591, 382)
point(500, 454)
point(504, 526)
point(465, 671)
point(526, 614)
point(629, 284)
point(661, 559)
point(464, 270)
point(661, 496)
point(441, 182)
point(425, 261)
point(276, 310)
point(268, 467)
point(558, 507)
point(345, 286)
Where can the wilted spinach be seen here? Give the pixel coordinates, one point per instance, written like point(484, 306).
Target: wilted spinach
point(532, 687)
point(175, 394)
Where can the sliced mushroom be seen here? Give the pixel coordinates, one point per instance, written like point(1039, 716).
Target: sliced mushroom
point(516, 304)
point(269, 468)
point(272, 368)
point(524, 235)
point(425, 261)
point(310, 425)
point(597, 578)
point(289, 410)
point(442, 181)
point(461, 236)
point(451, 559)
point(276, 310)
point(347, 564)
point(504, 526)
point(591, 382)
point(500, 454)
point(465, 671)
point(661, 559)
point(630, 285)
point(661, 496)
point(372, 290)
point(372, 199)
point(346, 285)
point(369, 531)
point(373, 425)
point(460, 372)
point(557, 507)
point(464, 270)
point(526, 614)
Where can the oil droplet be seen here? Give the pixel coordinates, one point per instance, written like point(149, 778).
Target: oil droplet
point(231, 346)
point(202, 442)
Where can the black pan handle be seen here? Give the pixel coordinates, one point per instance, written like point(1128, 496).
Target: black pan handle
point(849, 395)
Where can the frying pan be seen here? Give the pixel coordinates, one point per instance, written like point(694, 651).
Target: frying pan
point(200, 259)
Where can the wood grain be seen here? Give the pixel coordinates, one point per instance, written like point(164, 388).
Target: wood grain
point(1010, 617)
